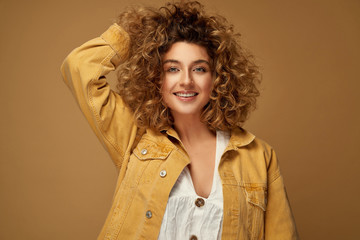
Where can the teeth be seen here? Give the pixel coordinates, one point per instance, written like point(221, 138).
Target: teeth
point(185, 94)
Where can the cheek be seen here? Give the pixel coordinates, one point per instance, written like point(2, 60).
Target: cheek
point(165, 90)
point(164, 86)
point(208, 85)
point(168, 84)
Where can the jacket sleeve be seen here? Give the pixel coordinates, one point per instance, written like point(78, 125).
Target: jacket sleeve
point(84, 71)
point(279, 220)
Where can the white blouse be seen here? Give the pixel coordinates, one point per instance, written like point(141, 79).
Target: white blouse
point(189, 216)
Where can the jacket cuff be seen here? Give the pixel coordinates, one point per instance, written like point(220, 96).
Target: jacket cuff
point(118, 39)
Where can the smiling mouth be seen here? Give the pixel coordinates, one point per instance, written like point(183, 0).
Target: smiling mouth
point(185, 95)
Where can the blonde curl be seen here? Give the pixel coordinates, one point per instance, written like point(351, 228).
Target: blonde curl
point(152, 32)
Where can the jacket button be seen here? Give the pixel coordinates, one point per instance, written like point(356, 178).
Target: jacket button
point(163, 173)
point(193, 237)
point(148, 214)
point(199, 202)
point(144, 151)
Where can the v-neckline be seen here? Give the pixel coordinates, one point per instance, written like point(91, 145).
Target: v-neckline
point(213, 186)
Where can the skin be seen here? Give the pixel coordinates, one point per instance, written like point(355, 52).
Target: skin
point(187, 84)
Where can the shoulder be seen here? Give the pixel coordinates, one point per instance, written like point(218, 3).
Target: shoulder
point(240, 137)
point(244, 140)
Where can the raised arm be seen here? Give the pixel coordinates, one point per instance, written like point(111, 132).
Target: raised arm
point(84, 71)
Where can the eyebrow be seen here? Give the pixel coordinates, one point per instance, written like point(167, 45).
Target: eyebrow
point(176, 61)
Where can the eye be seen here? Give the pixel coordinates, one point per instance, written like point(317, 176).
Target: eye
point(172, 69)
point(199, 69)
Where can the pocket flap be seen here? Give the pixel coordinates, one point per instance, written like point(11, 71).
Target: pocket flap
point(257, 196)
point(147, 150)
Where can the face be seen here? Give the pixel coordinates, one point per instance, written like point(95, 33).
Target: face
point(187, 79)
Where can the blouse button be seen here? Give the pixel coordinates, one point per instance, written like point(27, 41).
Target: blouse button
point(199, 202)
point(148, 214)
point(163, 173)
point(144, 151)
point(193, 237)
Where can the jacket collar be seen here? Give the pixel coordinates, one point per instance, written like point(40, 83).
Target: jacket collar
point(239, 137)
point(161, 146)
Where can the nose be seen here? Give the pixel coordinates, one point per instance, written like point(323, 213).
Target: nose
point(186, 79)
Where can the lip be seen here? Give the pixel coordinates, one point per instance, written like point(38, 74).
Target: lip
point(185, 98)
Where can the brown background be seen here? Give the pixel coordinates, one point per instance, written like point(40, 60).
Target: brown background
point(57, 181)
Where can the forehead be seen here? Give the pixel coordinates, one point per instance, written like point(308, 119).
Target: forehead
point(186, 52)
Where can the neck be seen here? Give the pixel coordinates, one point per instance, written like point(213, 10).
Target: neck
point(191, 130)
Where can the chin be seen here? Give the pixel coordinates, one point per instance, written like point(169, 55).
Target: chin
point(186, 112)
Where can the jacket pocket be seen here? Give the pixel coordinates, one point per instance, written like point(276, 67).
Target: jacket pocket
point(147, 161)
point(256, 198)
point(148, 150)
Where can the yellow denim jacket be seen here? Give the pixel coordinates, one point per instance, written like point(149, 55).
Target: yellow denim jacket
point(149, 162)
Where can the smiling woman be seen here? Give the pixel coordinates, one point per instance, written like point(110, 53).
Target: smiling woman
point(187, 80)
point(187, 170)
point(153, 32)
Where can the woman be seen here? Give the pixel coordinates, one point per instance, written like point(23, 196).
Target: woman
point(187, 170)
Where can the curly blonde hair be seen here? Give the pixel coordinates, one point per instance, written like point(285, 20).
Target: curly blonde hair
point(152, 32)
